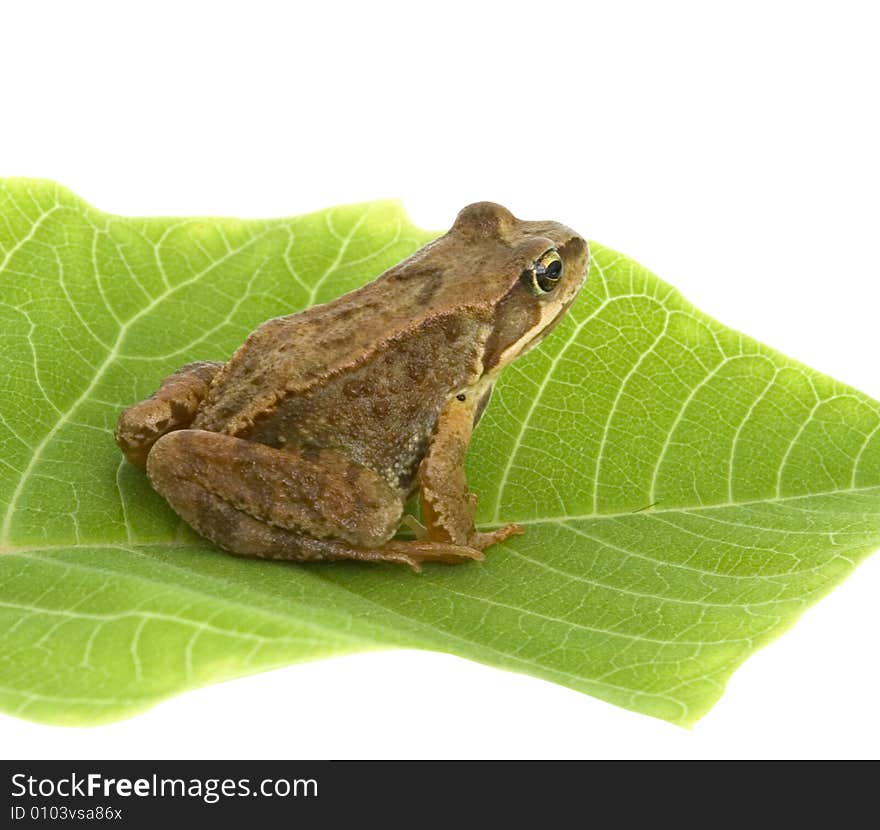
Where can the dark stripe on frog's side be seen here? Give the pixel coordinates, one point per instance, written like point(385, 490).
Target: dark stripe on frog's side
point(518, 312)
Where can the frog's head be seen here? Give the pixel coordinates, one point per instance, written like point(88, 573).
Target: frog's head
point(529, 275)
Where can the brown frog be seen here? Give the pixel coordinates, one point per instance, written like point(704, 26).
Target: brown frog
point(307, 443)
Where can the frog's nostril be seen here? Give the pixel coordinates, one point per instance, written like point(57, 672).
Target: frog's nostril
point(575, 253)
point(575, 247)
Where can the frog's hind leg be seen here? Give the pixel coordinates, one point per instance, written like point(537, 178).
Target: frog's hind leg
point(172, 406)
point(294, 503)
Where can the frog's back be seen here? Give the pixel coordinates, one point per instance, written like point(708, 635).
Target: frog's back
point(351, 348)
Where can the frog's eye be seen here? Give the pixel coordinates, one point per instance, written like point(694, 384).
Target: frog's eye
point(546, 272)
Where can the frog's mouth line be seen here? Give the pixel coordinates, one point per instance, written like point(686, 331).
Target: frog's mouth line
point(563, 310)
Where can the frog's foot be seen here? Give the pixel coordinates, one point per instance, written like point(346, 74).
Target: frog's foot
point(283, 544)
point(482, 541)
point(416, 552)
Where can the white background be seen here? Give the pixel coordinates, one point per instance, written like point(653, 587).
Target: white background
point(732, 148)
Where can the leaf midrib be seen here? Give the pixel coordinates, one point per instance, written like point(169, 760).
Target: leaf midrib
point(557, 520)
point(562, 519)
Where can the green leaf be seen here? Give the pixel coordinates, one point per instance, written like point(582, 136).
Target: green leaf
point(687, 492)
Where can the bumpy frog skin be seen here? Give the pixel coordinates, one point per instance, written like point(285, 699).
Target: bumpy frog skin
point(307, 443)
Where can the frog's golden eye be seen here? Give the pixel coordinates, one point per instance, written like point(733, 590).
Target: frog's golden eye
point(545, 274)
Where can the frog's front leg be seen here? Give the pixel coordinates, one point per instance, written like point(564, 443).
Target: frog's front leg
point(293, 503)
point(447, 506)
point(172, 406)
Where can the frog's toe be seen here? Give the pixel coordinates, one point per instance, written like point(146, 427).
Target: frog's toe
point(416, 553)
point(484, 540)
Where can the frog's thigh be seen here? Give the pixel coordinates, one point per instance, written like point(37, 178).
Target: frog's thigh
point(298, 504)
point(172, 406)
point(314, 492)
